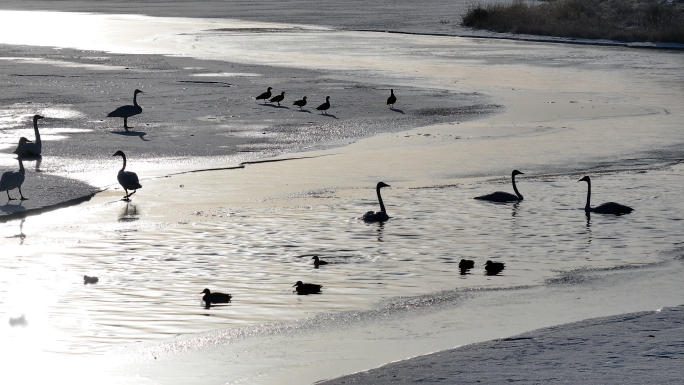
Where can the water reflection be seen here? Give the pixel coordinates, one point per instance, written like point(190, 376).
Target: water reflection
point(129, 213)
point(514, 211)
point(21, 234)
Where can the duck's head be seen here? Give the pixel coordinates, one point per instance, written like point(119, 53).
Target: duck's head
point(269, 88)
point(315, 257)
point(516, 172)
point(382, 184)
point(119, 153)
point(488, 263)
point(585, 179)
point(304, 98)
point(137, 91)
point(206, 291)
point(299, 283)
point(327, 98)
point(283, 93)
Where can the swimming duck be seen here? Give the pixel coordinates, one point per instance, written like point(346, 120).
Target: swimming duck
point(127, 111)
point(265, 95)
point(318, 262)
point(88, 279)
point(605, 208)
point(210, 297)
point(307, 288)
point(493, 268)
point(501, 196)
point(466, 264)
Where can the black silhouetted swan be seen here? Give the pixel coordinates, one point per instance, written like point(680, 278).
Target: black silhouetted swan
point(318, 262)
point(605, 208)
point(35, 148)
point(307, 288)
point(493, 268)
point(127, 111)
point(14, 179)
point(325, 106)
point(210, 297)
point(127, 179)
point(501, 196)
point(377, 216)
point(278, 98)
point(266, 95)
point(300, 103)
point(392, 99)
point(89, 280)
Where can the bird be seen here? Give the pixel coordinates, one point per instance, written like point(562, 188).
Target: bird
point(300, 103)
point(278, 98)
point(127, 179)
point(605, 208)
point(14, 179)
point(88, 279)
point(466, 264)
point(318, 262)
point(377, 216)
point(493, 268)
point(307, 288)
point(127, 111)
point(501, 196)
point(210, 297)
point(35, 148)
point(325, 106)
point(392, 99)
point(265, 95)
point(19, 321)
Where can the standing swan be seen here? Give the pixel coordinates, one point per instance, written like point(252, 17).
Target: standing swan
point(127, 179)
point(14, 179)
point(127, 111)
point(501, 196)
point(377, 216)
point(605, 208)
point(32, 149)
point(392, 99)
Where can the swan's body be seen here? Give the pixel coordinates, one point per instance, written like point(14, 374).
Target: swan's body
point(278, 98)
point(127, 111)
point(392, 99)
point(494, 268)
point(14, 179)
point(127, 179)
point(266, 95)
point(300, 103)
point(318, 262)
point(377, 216)
point(88, 279)
point(501, 196)
point(210, 297)
point(36, 147)
point(605, 208)
point(307, 288)
point(466, 264)
point(325, 106)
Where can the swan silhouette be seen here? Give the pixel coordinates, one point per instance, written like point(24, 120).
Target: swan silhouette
point(501, 196)
point(278, 98)
point(325, 106)
point(14, 179)
point(377, 216)
point(210, 297)
point(265, 95)
point(127, 179)
point(127, 111)
point(317, 262)
point(300, 103)
point(307, 288)
point(35, 148)
point(605, 208)
point(392, 99)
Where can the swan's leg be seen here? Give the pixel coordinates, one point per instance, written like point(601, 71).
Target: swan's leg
point(129, 195)
point(9, 198)
point(22, 195)
point(126, 124)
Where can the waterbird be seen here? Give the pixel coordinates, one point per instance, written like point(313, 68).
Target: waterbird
point(278, 98)
point(392, 99)
point(300, 103)
point(605, 208)
point(19, 321)
point(325, 106)
point(210, 297)
point(307, 288)
point(317, 262)
point(127, 179)
point(501, 196)
point(127, 111)
point(14, 179)
point(466, 264)
point(265, 95)
point(493, 268)
point(88, 279)
point(35, 148)
point(377, 216)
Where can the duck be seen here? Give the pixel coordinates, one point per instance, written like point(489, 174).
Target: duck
point(503, 197)
point(19, 321)
point(377, 216)
point(14, 179)
point(604, 208)
point(210, 297)
point(88, 279)
point(317, 262)
point(278, 98)
point(265, 95)
point(494, 268)
point(325, 106)
point(307, 288)
point(466, 264)
point(300, 103)
point(127, 179)
point(127, 111)
point(35, 148)
point(392, 99)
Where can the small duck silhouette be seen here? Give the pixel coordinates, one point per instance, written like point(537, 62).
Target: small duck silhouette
point(19, 321)
point(318, 262)
point(493, 268)
point(210, 297)
point(300, 103)
point(307, 288)
point(88, 279)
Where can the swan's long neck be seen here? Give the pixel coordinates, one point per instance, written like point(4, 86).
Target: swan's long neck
point(124, 163)
point(588, 206)
point(21, 163)
point(382, 205)
point(515, 188)
point(135, 103)
point(35, 129)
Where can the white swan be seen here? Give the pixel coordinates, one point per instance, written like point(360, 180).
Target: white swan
point(14, 179)
point(35, 148)
point(605, 208)
point(377, 216)
point(127, 179)
point(127, 111)
point(501, 196)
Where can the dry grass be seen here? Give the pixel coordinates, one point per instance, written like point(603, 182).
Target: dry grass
point(623, 20)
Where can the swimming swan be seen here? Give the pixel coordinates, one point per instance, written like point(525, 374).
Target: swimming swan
point(35, 148)
point(377, 216)
point(14, 179)
point(127, 111)
point(605, 208)
point(501, 196)
point(127, 179)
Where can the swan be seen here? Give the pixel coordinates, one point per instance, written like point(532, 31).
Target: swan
point(605, 208)
point(88, 279)
point(278, 98)
point(325, 106)
point(127, 179)
point(392, 99)
point(127, 111)
point(300, 103)
point(14, 179)
point(210, 297)
point(377, 216)
point(501, 196)
point(265, 95)
point(494, 268)
point(318, 262)
point(307, 288)
point(32, 149)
